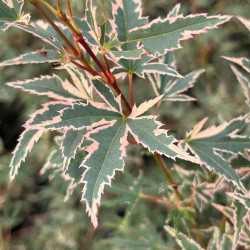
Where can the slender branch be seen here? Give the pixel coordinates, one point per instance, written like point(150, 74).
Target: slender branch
point(58, 5)
point(48, 6)
point(165, 170)
point(78, 32)
point(157, 107)
point(41, 10)
point(130, 77)
point(85, 68)
point(80, 39)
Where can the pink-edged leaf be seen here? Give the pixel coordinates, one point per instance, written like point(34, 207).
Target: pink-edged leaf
point(11, 12)
point(245, 21)
point(239, 213)
point(227, 242)
point(51, 86)
point(242, 61)
point(173, 87)
point(45, 31)
point(202, 192)
point(142, 66)
point(26, 142)
point(245, 233)
point(34, 57)
point(209, 143)
point(71, 141)
point(132, 54)
point(80, 80)
point(146, 131)
point(104, 159)
point(49, 111)
point(175, 11)
point(81, 116)
point(143, 107)
point(183, 240)
point(127, 15)
point(107, 95)
point(244, 82)
point(162, 35)
point(227, 211)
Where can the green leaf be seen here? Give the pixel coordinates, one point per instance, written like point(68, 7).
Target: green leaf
point(242, 61)
point(161, 36)
point(11, 12)
point(209, 143)
point(71, 141)
point(51, 86)
point(34, 57)
point(26, 142)
point(240, 213)
point(107, 95)
point(142, 66)
point(81, 116)
point(101, 164)
point(226, 242)
point(183, 240)
point(244, 82)
point(127, 15)
point(171, 87)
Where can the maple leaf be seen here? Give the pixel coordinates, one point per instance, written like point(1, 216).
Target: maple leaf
point(11, 12)
point(209, 143)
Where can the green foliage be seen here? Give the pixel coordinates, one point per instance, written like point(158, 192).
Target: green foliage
point(95, 132)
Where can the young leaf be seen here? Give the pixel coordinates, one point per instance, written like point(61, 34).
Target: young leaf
point(26, 142)
point(161, 36)
point(34, 57)
point(11, 12)
point(244, 82)
point(51, 86)
point(183, 240)
point(207, 144)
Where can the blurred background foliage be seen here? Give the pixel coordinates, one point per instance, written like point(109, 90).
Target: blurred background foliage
point(33, 214)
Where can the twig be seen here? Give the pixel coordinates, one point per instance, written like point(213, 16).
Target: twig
point(130, 77)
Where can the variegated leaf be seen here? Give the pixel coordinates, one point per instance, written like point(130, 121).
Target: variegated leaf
point(183, 240)
point(47, 33)
point(71, 141)
point(34, 57)
point(173, 88)
point(49, 111)
point(51, 86)
point(107, 95)
point(105, 157)
point(127, 15)
point(11, 12)
point(161, 36)
point(240, 212)
point(26, 142)
point(244, 82)
point(175, 11)
point(242, 61)
point(207, 144)
point(142, 66)
point(81, 116)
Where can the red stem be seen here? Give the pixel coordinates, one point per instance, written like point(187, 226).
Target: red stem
point(130, 77)
point(80, 40)
point(118, 91)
